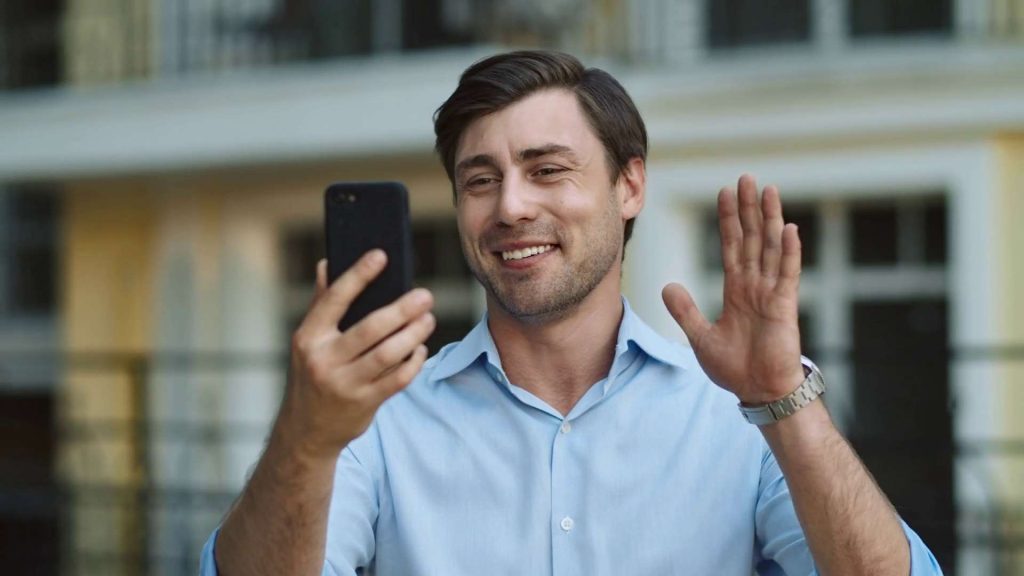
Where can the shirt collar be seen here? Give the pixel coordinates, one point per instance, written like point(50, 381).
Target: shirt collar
point(479, 343)
point(635, 330)
point(461, 355)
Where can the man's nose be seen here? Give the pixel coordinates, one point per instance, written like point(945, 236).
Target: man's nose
point(517, 201)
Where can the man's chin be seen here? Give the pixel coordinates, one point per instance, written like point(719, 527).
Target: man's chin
point(535, 309)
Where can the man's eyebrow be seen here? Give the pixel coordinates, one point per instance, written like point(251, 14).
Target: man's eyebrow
point(474, 162)
point(486, 160)
point(546, 150)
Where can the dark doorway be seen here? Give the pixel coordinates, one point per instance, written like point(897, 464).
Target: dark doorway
point(28, 495)
point(30, 43)
point(903, 428)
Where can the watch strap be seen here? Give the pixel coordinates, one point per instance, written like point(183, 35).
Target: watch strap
point(809, 390)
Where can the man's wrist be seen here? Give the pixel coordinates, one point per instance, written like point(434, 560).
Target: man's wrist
point(780, 388)
point(293, 452)
point(806, 393)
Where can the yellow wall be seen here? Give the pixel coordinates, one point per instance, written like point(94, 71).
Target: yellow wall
point(131, 246)
point(107, 281)
point(108, 266)
point(112, 240)
point(1010, 290)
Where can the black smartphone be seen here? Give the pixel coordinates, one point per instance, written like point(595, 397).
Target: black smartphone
point(361, 216)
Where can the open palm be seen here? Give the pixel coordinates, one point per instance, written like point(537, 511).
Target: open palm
point(753, 349)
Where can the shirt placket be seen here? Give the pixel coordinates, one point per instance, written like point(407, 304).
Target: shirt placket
point(564, 505)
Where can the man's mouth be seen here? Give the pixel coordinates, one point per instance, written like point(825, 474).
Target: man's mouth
point(525, 252)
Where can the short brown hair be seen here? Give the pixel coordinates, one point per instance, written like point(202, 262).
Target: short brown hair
point(493, 83)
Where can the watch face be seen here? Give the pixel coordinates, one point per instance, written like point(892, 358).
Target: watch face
point(809, 366)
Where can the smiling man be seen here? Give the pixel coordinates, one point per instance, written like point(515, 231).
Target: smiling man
point(562, 435)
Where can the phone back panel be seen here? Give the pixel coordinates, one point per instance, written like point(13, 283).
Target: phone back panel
point(359, 218)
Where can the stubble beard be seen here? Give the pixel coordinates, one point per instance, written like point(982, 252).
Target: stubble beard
point(534, 300)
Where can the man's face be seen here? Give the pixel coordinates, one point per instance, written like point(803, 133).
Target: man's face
point(540, 221)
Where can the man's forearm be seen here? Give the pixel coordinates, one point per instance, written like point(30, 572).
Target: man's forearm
point(850, 525)
point(279, 524)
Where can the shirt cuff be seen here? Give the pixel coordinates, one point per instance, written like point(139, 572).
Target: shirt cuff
point(207, 563)
point(922, 562)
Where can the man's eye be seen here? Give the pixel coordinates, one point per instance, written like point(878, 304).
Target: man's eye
point(480, 183)
point(548, 171)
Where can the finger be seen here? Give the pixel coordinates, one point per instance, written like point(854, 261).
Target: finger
point(321, 278)
point(395, 381)
point(750, 221)
point(729, 229)
point(682, 307)
point(789, 267)
point(395, 348)
point(328, 310)
point(383, 322)
point(771, 207)
point(320, 285)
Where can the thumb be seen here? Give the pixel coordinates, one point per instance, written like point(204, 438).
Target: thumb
point(682, 307)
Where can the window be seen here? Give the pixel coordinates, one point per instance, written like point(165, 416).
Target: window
point(912, 231)
point(331, 29)
point(28, 249)
point(30, 43)
point(874, 235)
point(935, 233)
point(757, 23)
point(223, 35)
point(874, 312)
point(439, 266)
point(438, 252)
point(889, 17)
point(735, 23)
point(433, 23)
point(805, 216)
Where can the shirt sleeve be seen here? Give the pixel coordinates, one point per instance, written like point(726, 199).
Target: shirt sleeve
point(922, 562)
point(350, 524)
point(782, 546)
point(208, 566)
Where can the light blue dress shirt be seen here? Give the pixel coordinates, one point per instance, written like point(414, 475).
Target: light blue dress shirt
point(654, 471)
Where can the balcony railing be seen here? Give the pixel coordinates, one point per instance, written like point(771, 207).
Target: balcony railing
point(43, 45)
point(136, 485)
point(147, 38)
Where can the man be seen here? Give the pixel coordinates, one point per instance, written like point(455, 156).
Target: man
point(562, 435)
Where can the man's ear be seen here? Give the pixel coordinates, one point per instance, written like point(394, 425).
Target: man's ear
point(632, 187)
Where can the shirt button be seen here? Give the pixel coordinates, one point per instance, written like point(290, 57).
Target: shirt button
point(566, 427)
point(567, 524)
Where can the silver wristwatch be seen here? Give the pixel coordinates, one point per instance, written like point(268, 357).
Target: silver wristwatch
point(808, 391)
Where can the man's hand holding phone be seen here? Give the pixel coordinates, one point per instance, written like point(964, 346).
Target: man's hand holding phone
point(338, 380)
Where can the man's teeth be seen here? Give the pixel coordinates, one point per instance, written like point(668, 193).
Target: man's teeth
point(525, 252)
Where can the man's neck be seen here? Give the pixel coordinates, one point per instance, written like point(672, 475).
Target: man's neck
point(559, 360)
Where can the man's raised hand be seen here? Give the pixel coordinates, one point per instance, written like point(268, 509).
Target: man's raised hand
point(753, 350)
point(338, 380)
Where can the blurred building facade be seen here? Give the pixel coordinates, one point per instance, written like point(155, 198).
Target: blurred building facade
point(161, 171)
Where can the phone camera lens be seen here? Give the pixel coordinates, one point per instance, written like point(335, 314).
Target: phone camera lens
point(350, 197)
